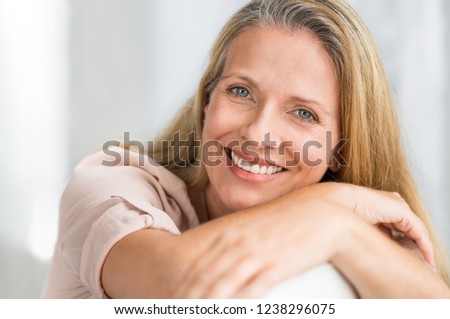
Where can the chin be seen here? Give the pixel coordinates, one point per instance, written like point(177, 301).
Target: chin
point(237, 202)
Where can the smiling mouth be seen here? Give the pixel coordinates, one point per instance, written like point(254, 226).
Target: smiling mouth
point(257, 169)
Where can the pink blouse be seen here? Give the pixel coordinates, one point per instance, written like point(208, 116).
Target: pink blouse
point(102, 204)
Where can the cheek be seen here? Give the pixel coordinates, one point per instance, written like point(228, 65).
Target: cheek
point(220, 119)
point(311, 150)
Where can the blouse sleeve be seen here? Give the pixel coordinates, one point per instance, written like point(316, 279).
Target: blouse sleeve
point(101, 205)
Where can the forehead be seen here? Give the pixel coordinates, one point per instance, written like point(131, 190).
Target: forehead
point(290, 63)
point(271, 46)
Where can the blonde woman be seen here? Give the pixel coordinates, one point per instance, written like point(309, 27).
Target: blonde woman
point(295, 162)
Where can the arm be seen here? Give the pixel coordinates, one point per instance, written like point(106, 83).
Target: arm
point(374, 264)
point(149, 263)
point(153, 263)
point(380, 268)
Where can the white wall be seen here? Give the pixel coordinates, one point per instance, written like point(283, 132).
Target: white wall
point(77, 73)
point(33, 130)
point(134, 63)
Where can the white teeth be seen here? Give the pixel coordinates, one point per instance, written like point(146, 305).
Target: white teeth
point(263, 170)
point(235, 159)
point(255, 169)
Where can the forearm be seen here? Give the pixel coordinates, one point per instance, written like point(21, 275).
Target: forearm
point(378, 267)
point(150, 263)
point(142, 265)
point(153, 264)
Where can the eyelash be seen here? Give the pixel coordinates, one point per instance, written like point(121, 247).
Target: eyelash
point(312, 119)
point(233, 90)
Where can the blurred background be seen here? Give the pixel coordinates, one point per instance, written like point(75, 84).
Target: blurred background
point(74, 74)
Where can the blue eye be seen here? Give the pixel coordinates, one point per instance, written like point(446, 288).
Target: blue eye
point(305, 115)
point(241, 92)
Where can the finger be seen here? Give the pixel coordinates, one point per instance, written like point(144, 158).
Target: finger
point(407, 222)
point(261, 283)
point(229, 264)
point(411, 246)
point(194, 278)
point(413, 227)
point(220, 256)
point(420, 239)
point(232, 281)
point(385, 230)
point(188, 287)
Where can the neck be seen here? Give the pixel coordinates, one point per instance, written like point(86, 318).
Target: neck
point(215, 207)
point(207, 203)
point(197, 196)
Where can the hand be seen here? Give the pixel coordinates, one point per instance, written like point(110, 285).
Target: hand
point(386, 209)
point(245, 261)
point(411, 246)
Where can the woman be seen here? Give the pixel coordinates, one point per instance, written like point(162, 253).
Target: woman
point(300, 166)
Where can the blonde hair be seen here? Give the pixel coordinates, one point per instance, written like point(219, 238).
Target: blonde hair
point(368, 118)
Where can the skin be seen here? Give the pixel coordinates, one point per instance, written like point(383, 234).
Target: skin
point(250, 101)
point(249, 216)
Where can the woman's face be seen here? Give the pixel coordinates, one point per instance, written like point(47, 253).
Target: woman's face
point(267, 119)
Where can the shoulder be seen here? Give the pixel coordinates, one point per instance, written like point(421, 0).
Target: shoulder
point(119, 162)
point(131, 176)
point(101, 204)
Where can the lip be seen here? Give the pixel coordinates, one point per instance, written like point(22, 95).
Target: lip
point(253, 159)
point(248, 176)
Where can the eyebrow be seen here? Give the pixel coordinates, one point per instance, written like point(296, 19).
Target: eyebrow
point(294, 97)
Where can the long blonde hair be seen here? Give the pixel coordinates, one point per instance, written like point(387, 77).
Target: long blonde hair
point(368, 118)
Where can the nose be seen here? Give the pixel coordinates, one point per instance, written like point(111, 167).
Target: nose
point(263, 126)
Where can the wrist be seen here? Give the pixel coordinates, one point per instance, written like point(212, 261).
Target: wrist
point(350, 240)
point(339, 193)
point(361, 247)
